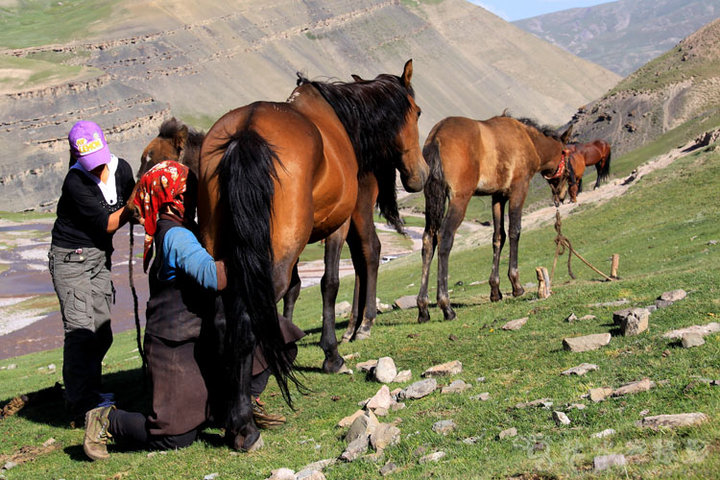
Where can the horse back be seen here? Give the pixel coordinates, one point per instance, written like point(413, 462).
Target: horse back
point(298, 147)
point(335, 188)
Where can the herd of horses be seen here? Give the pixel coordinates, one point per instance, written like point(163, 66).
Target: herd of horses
point(275, 176)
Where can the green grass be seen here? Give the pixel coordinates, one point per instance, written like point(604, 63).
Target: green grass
point(661, 228)
point(33, 23)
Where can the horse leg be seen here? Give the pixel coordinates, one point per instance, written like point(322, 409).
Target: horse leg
point(292, 294)
point(498, 212)
point(515, 225)
point(429, 242)
point(329, 285)
point(355, 312)
point(451, 222)
point(369, 246)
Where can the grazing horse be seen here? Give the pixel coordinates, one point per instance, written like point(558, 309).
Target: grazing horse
point(581, 155)
point(496, 157)
point(276, 176)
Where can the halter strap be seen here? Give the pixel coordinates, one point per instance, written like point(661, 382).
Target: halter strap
point(560, 168)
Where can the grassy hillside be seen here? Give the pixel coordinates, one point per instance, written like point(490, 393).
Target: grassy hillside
point(664, 229)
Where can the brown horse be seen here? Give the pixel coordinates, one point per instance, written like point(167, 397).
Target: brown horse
point(276, 176)
point(175, 141)
point(496, 157)
point(581, 155)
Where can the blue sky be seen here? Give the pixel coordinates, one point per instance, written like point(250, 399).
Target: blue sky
point(517, 9)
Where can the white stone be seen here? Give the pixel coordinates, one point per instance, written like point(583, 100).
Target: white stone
point(385, 370)
point(448, 368)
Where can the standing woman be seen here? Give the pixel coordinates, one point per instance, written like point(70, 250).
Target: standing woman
point(92, 206)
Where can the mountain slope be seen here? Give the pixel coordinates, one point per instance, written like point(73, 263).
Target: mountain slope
point(200, 60)
point(679, 86)
point(623, 35)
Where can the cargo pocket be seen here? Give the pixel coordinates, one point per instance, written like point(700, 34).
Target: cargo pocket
point(76, 310)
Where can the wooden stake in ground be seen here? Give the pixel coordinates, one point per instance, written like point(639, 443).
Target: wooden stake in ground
point(614, 265)
point(543, 282)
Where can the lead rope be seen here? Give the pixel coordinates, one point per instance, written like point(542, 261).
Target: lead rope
point(131, 262)
point(562, 242)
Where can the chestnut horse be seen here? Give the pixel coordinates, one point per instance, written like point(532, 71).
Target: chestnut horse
point(496, 157)
point(276, 176)
point(581, 155)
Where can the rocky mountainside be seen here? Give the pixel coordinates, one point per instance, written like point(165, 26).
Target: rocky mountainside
point(199, 60)
point(679, 86)
point(625, 34)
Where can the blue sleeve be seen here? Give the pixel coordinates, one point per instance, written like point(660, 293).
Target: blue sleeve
point(183, 252)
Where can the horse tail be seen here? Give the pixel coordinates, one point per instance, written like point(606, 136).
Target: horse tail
point(435, 191)
point(603, 170)
point(246, 174)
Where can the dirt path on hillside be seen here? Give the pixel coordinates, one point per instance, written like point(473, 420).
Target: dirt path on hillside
point(24, 257)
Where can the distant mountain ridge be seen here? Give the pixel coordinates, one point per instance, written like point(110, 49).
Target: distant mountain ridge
point(680, 86)
point(199, 60)
point(623, 35)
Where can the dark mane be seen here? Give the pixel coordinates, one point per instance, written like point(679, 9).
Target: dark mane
point(544, 129)
point(372, 112)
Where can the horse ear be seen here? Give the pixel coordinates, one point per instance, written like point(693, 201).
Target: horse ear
point(407, 73)
point(357, 78)
point(181, 137)
point(566, 136)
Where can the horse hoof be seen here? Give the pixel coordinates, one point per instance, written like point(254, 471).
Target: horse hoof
point(250, 443)
point(423, 317)
point(450, 315)
point(495, 297)
point(362, 334)
point(519, 293)
point(345, 338)
point(334, 366)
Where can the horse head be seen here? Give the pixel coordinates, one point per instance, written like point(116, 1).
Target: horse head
point(413, 168)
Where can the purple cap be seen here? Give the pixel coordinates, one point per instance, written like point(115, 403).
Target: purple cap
point(88, 145)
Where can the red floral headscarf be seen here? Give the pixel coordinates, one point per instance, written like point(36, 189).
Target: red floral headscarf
point(163, 184)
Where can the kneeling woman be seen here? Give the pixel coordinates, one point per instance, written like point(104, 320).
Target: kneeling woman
point(184, 280)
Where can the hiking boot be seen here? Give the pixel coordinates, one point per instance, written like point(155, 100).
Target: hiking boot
point(97, 422)
point(263, 419)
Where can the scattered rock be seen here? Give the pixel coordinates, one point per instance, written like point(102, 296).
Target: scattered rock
point(363, 426)
point(483, 397)
point(509, 433)
point(600, 394)
point(385, 434)
point(443, 427)
point(470, 440)
point(480, 379)
point(406, 302)
point(458, 386)
point(603, 462)
point(388, 468)
point(586, 343)
point(347, 421)
point(343, 308)
point(515, 324)
point(385, 370)
point(677, 420)
point(356, 448)
point(605, 433)
point(351, 356)
point(402, 376)
point(397, 406)
point(12, 366)
point(632, 321)
point(577, 406)
point(453, 337)
point(381, 412)
point(571, 318)
point(9, 465)
point(712, 327)
point(542, 402)
point(382, 399)
point(662, 304)
point(282, 474)
point(319, 466)
point(634, 387)
point(581, 369)
point(690, 340)
point(560, 418)
point(673, 295)
point(587, 317)
point(449, 368)
point(433, 457)
point(382, 307)
point(310, 475)
point(419, 389)
point(366, 366)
